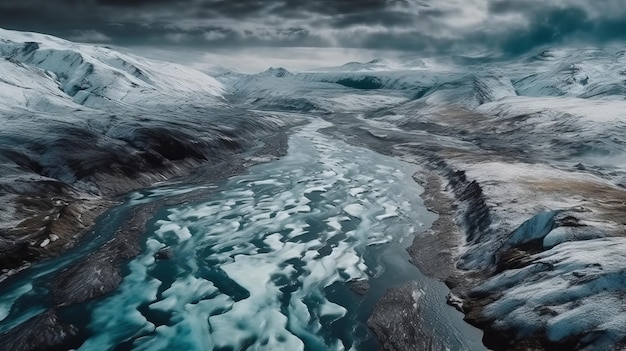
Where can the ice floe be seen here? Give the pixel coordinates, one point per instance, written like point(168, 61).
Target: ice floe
point(251, 265)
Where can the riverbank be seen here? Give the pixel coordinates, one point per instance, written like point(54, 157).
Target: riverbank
point(518, 221)
point(497, 215)
point(519, 229)
point(334, 206)
point(51, 196)
point(99, 272)
point(78, 282)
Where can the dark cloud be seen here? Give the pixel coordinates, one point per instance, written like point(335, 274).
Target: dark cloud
point(387, 19)
point(504, 6)
point(553, 26)
point(428, 26)
point(130, 3)
point(567, 23)
point(340, 7)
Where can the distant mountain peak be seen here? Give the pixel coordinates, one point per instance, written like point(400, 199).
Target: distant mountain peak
point(278, 72)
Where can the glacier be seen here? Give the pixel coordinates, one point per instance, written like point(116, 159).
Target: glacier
point(512, 141)
point(522, 159)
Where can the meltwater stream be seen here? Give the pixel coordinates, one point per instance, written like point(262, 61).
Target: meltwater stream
point(263, 264)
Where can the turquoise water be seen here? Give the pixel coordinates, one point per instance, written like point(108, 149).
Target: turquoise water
point(262, 264)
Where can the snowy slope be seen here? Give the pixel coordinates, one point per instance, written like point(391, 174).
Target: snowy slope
point(24, 87)
point(412, 79)
point(389, 65)
point(535, 153)
point(589, 73)
point(95, 76)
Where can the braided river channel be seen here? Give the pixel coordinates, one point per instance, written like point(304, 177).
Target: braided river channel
point(267, 261)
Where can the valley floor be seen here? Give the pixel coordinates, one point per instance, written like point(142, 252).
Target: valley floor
point(523, 161)
point(302, 227)
point(503, 230)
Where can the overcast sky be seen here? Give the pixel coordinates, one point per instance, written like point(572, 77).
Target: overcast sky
point(257, 33)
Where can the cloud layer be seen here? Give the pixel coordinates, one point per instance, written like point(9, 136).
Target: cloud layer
point(426, 26)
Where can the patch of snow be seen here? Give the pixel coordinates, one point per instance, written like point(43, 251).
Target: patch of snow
point(579, 286)
point(354, 210)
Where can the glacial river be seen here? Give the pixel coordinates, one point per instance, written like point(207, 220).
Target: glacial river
point(265, 262)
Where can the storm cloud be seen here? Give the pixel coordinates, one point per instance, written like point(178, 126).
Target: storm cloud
point(509, 27)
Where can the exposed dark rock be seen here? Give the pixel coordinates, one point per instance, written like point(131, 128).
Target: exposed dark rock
point(360, 287)
point(84, 168)
point(396, 323)
point(164, 254)
point(430, 251)
point(498, 337)
point(513, 259)
point(455, 302)
point(14, 254)
point(44, 332)
point(171, 144)
point(476, 218)
point(290, 104)
point(55, 220)
point(567, 220)
point(361, 82)
point(98, 273)
point(278, 72)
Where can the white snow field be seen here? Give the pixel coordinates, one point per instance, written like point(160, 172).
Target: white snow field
point(40, 72)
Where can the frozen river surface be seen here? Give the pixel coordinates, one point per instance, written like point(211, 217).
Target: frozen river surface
point(266, 261)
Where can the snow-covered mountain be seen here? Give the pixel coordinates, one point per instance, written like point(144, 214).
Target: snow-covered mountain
point(40, 72)
point(529, 154)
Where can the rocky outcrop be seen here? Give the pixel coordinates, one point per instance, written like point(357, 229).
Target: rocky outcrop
point(44, 332)
point(395, 324)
